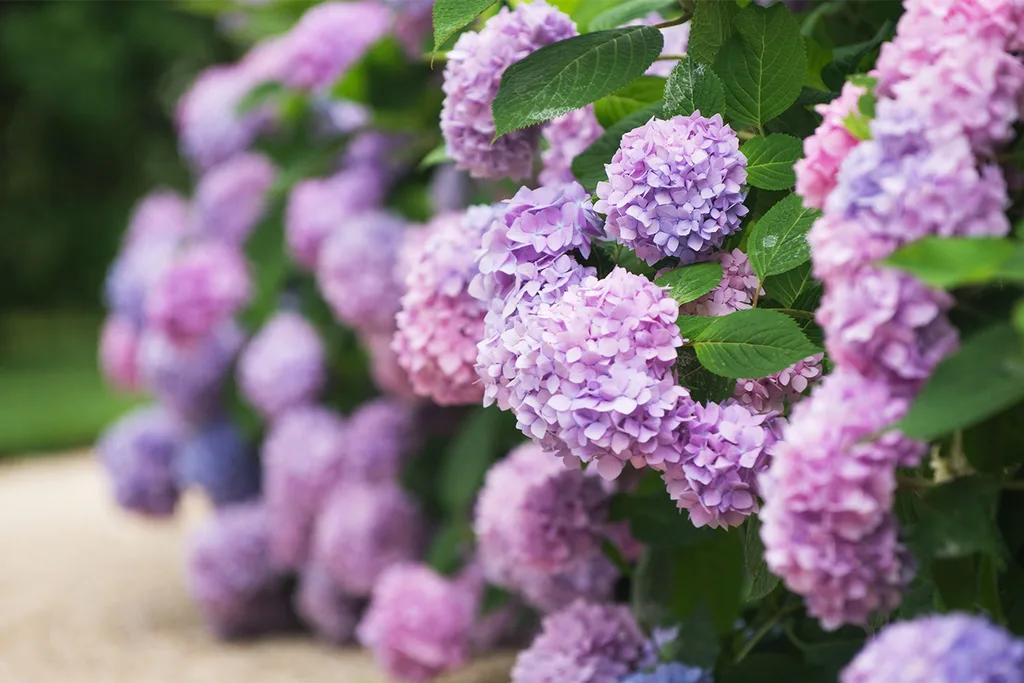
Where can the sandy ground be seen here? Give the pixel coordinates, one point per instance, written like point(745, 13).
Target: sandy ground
point(90, 595)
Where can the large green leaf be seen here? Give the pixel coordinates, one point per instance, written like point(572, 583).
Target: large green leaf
point(653, 516)
point(693, 86)
point(762, 66)
point(778, 242)
point(589, 166)
point(760, 581)
point(571, 74)
point(451, 15)
point(956, 519)
point(641, 93)
point(979, 380)
point(626, 12)
point(710, 27)
point(691, 282)
point(467, 459)
point(751, 344)
point(770, 161)
point(704, 385)
point(953, 262)
point(795, 289)
point(847, 59)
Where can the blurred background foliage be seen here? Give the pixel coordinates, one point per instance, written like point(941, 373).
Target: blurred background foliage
point(88, 92)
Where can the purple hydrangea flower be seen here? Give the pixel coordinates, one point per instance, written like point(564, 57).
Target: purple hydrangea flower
point(914, 179)
point(827, 521)
point(595, 376)
point(951, 648)
point(735, 292)
point(592, 579)
point(219, 460)
point(381, 435)
point(673, 672)
point(418, 624)
point(119, 353)
point(230, 576)
point(362, 529)
point(160, 215)
point(138, 453)
point(471, 79)
point(440, 324)
point(326, 609)
point(283, 366)
point(825, 151)
point(302, 459)
point(317, 207)
point(567, 136)
point(535, 515)
point(584, 643)
point(675, 188)
point(329, 39)
point(770, 394)
point(135, 272)
point(677, 40)
point(885, 323)
point(356, 271)
point(205, 286)
point(726, 448)
point(1000, 22)
point(231, 197)
point(190, 379)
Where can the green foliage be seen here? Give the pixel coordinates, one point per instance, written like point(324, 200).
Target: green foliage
point(762, 65)
point(571, 74)
point(626, 12)
point(982, 378)
point(693, 86)
point(778, 242)
point(955, 262)
point(467, 459)
point(641, 93)
point(653, 516)
point(691, 282)
point(589, 166)
point(770, 161)
point(452, 15)
point(710, 27)
point(794, 289)
point(760, 581)
point(847, 60)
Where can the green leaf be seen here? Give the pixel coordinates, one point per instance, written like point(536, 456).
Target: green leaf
point(691, 282)
point(711, 573)
point(452, 15)
point(704, 386)
point(467, 459)
point(435, 157)
point(762, 66)
point(778, 242)
point(761, 582)
point(710, 27)
point(997, 443)
point(795, 289)
point(977, 381)
point(956, 520)
point(693, 86)
point(448, 546)
point(571, 74)
point(653, 516)
point(847, 59)
point(953, 262)
point(956, 580)
point(588, 167)
point(641, 93)
point(262, 94)
point(858, 125)
point(817, 58)
point(770, 161)
point(626, 12)
point(751, 344)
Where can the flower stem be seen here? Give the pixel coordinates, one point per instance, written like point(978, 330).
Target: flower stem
point(762, 632)
point(667, 58)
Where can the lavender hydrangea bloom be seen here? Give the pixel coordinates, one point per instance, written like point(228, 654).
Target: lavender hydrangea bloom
point(119, 353)
point(283, 366)
point(677, 40)
point(205, 286)
point(827, 521)
point(231, 197)
point(190, 379)
point(567, 136)
point(381, 434)
point(331, 613)
point(329, 39)
point(535, 515)
point(220, 461)
point(595, 376)
point(362, 529)
point(770, 394)
point(584, 643)
point(471, 79)
point(592, 579)
point(735, 291)
point(161, 214)
point(885, 323)
point(440, 324)
point(230, 577)
point(135, 272)
point(675, 188)
point(951, 648)
point(913, 179)
point(302, 461)
point(356, 271)
point(418, 624)
point(138, 453)
point(317, 207)
point(673, 672)
point(727, 447)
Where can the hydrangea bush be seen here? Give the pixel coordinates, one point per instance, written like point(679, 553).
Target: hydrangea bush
point(670, 347)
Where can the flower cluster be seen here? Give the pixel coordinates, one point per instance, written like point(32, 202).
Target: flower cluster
point(827, 148)
point(675, 188)
point(471, 79)
point(218, 459)
point(568, 136)
point(231, 198)
point(283, 366)
point(331, 613)
point(673, 672)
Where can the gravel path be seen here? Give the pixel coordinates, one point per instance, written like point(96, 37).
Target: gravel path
point(90, 595)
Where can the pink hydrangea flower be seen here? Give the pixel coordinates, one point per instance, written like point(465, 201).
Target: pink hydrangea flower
point(231, 197)
point(824, 152)
point(283, 366)
point(119, 353)
point(770, 394)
